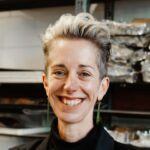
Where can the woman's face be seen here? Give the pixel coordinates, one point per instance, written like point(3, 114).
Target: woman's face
point(72, 83)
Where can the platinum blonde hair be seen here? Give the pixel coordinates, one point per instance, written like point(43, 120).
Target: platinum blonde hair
point(81, 26)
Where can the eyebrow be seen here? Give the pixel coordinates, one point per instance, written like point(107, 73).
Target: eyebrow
point(58, 65)
point(86, 66)
point(80, 66)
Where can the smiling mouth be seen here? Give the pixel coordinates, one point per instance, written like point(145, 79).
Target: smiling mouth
point(70, 101)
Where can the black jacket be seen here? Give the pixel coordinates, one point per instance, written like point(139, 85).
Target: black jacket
point(104, 142)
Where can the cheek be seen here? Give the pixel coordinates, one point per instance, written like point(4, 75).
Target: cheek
point(54, 86)
point(52, 89)
point(92, 90)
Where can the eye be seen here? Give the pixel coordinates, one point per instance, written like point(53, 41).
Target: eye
point(59, 73)
point(84, 74)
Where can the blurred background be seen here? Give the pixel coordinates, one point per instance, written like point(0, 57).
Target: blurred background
point(24, 112)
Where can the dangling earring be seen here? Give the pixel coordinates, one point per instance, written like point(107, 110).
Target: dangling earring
point(98, 113)
point(48, 113)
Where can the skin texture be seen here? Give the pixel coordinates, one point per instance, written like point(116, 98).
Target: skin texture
point(73, 75)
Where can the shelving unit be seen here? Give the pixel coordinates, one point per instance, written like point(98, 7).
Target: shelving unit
point(28, 4)
point(21, 76)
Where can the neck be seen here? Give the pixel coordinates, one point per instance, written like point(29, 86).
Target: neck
point(73, 132)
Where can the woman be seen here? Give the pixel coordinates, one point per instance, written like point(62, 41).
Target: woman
point(76, 52)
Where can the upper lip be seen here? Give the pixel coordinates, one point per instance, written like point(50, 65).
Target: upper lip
point(71, 98)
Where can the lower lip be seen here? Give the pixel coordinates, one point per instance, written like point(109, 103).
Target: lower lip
point(72, 106)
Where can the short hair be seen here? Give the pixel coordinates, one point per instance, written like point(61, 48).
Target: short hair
point(81, 26)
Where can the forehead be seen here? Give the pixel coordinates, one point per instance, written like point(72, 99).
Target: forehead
point(73, 50)
point(77, 42)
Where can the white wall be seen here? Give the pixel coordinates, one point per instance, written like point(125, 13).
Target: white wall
point(20, 44)
point(20, 36)
point(126, 10)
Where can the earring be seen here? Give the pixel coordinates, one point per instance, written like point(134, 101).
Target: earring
point(48, 113)
point(98, 113)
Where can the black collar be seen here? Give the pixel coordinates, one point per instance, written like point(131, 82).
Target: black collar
point(104, 141)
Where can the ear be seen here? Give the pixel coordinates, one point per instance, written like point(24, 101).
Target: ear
point(45, 82)
point(104, 85)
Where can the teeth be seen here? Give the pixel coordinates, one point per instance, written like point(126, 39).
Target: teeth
point(71, 102)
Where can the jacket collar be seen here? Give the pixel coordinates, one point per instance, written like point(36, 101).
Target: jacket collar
point(104, 142)
point(44, 144)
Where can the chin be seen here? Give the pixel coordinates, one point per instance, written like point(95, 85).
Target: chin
point(70, 118)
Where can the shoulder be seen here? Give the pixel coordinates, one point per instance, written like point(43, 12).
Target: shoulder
point(105, 141)
point(39, 144)
point(120, 146)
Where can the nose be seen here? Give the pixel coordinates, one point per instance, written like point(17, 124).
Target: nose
point(71, 83)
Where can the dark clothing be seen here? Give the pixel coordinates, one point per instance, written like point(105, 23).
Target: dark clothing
point(96, 139)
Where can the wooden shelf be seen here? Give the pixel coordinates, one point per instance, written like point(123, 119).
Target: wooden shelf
point(145, 113)
point(27, 4)
point(21, 77)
